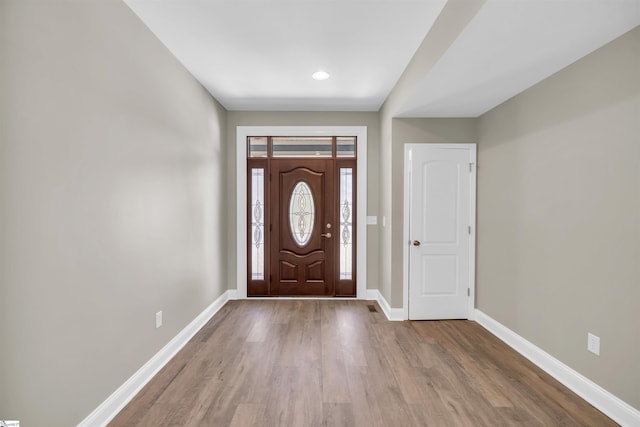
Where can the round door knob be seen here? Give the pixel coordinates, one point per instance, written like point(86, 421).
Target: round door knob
point(416, 243)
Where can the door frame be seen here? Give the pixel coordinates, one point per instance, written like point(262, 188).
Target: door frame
point(242, 132)
point(472, 147)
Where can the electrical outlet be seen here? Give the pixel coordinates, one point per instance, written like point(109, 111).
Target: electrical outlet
point(593, 344)
point(158, 319)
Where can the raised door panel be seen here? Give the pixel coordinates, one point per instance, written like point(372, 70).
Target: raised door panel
point(439, 220)
point(302, 205)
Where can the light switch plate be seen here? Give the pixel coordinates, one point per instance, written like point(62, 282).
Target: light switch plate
point(593, 343)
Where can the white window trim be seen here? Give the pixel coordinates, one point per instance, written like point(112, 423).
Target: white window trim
point(242, 132)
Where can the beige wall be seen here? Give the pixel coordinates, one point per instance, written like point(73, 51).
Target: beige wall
point(559, 215)
point(111, 199)
point(370, 120)
point(452, 20)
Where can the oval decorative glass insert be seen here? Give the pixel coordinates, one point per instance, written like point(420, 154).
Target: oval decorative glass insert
point(301, 213)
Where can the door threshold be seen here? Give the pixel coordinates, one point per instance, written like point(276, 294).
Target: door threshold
point(303, 298)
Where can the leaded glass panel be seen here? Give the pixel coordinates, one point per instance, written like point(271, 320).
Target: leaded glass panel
point(257, 223)
point(301, 213)
point(346, 223)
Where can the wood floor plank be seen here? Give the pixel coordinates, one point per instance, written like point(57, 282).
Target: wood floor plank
point(247, 414)
point(338, 414)
point(337, 363)
point(335, 388)
point(360, 397)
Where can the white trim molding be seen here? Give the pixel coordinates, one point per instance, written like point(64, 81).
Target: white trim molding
point(612, 406)
point(242, 132)
point(393, 314)
point(108, 409)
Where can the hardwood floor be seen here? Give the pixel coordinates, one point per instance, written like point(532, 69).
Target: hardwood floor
point(336, 363)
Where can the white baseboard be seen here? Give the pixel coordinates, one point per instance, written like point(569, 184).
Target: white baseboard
point(127, 391)
point(394, 314)
point(372, 294)
point(231, 295)
point(616, 409)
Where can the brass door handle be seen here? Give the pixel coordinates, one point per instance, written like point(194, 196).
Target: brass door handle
point(416, 243)
point(327, 235)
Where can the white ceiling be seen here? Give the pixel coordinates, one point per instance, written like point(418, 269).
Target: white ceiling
point(510, 45)
point(260, 54)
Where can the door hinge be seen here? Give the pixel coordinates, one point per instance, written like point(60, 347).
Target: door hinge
point(270, 227)
point(270, 278)
point(469, 230)
point(468, 292)
point(470, 167)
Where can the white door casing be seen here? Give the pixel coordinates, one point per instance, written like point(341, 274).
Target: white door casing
point(242, 132)
point(440, 212)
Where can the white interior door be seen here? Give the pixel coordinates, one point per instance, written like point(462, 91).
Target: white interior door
point(440, 227)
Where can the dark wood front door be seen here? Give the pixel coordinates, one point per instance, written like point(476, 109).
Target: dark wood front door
point(302, 211)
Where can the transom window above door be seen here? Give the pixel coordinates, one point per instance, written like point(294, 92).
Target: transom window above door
point(301, 147)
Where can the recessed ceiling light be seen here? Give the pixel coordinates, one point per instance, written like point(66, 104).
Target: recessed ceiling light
point(320, 75)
